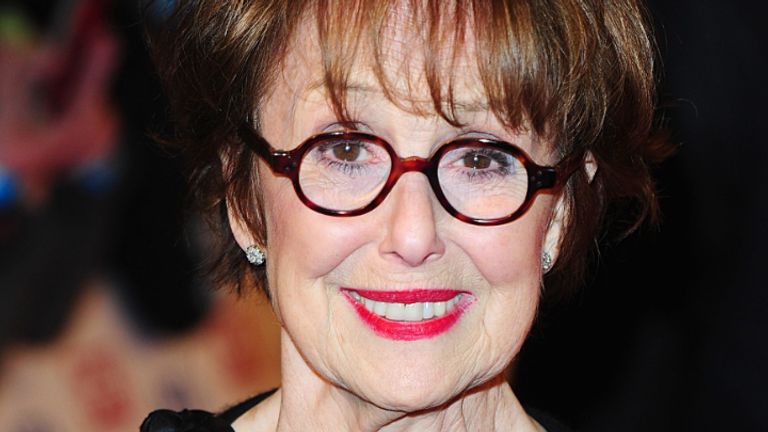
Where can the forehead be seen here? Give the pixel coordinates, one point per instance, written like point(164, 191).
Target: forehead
point(398, 64)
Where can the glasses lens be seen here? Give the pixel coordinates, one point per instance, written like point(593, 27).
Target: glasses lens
point(344, 172)
point(483, 182)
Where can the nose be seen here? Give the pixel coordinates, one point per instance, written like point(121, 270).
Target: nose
point(412, 235)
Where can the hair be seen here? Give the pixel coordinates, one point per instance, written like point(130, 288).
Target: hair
point(579, 72)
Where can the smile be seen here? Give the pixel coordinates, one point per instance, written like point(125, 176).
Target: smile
point(409, 315)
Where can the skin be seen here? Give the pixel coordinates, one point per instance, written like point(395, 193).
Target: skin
point(335, 367)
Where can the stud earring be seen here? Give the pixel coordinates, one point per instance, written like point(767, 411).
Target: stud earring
point(255, 255)
point(546, 261)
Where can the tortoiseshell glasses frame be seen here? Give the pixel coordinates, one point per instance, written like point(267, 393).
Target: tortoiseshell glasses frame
point(287, 164)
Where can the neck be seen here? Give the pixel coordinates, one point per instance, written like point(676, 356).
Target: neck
point(491, 406)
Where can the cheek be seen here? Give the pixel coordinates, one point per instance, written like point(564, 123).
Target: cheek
point(303, 248)
point(510, 255)
point(310, 243)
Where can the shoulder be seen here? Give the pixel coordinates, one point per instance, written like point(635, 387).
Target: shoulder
point(198, 420)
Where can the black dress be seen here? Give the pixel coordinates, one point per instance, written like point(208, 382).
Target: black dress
point(204, 421)
point(198, 420)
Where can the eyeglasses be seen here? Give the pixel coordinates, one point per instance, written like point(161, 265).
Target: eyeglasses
point(477, 180)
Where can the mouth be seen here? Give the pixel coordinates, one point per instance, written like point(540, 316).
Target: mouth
point(409, 315)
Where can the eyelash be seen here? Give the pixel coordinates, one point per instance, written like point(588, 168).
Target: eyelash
point(502, 170)
point(356, 126)
point(343, 166)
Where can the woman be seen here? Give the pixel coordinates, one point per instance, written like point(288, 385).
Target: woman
point(401, 177)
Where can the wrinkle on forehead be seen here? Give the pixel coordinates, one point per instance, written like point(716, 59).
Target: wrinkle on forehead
point(394, 64)
point(391, 61)
point(406, 57)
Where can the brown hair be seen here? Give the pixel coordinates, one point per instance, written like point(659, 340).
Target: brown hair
point(580, 72)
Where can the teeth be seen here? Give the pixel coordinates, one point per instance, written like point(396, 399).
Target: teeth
point(395, 311)
point(380, 308)
point(412, 312)
point(440, 309)
point(368, 303)
point(429, 310)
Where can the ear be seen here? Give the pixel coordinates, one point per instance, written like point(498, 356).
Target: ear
point(590, 165)
point(239, 229)
point(237, 225)
point(556, 229)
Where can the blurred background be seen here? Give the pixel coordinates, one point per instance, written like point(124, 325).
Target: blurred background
point(103, 317)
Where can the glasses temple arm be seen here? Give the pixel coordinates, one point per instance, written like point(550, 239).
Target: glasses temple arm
point(567, 167)
point(280, 162)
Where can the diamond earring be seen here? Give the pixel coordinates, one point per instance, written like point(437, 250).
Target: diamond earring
point(546, 261)
point(255, 255)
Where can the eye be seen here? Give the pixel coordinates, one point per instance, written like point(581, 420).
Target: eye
point(475, 160)
point(483, 159)
point(478, 163)
point(347, 154)
point(347, 151)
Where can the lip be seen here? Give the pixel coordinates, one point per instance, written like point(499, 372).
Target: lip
point(406, 330)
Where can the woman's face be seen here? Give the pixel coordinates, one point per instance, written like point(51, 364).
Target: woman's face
point(409, 248)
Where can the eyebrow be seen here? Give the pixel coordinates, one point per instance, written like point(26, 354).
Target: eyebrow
point(474, 106)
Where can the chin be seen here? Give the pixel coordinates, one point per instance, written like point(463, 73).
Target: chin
point(411, 391)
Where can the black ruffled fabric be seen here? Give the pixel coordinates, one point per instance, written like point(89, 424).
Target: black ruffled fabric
point(202, 421)
point(197, 420)
point(184, 421)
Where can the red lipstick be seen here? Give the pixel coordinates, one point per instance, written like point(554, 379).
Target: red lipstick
point(410, 330)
